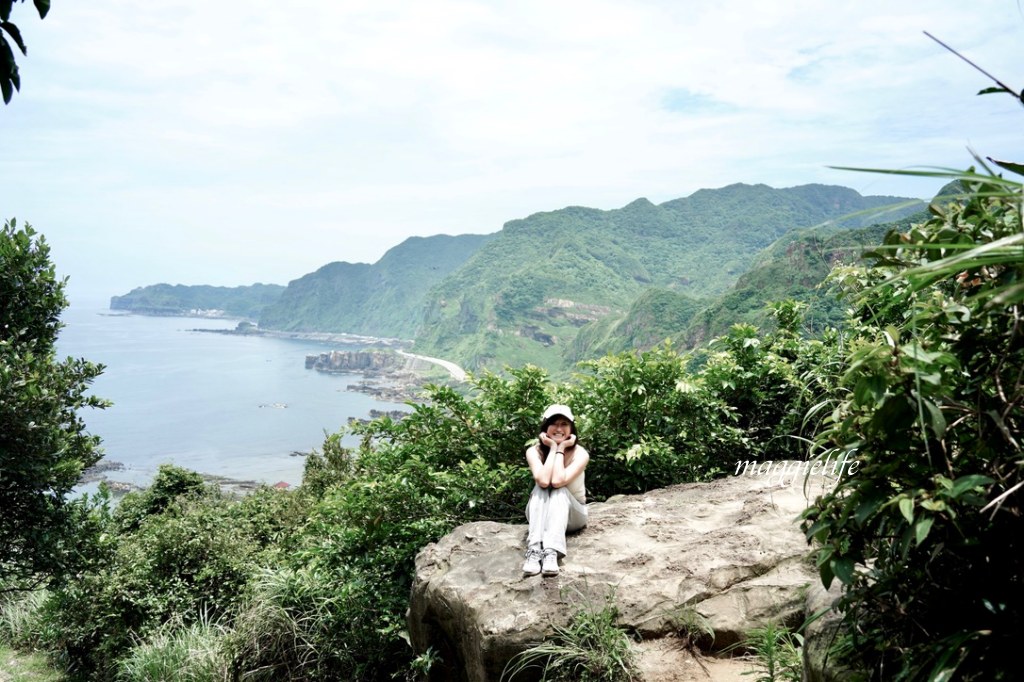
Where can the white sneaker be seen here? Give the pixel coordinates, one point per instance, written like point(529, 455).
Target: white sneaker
point(550, 562)
point(532, 564)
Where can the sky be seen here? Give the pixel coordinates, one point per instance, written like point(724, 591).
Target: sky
point(239, 142)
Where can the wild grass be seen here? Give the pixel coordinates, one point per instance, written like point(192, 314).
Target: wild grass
point(194, 653)
point(21, 622)
point(18, 666)
point(591, 648)
point(777, 654)
point(694, 629)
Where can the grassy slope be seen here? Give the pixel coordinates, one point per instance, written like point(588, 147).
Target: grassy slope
point(16, 666)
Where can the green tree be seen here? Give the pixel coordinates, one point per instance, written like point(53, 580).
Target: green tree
point(10, 80)
point(43, 443)
point(927, 536)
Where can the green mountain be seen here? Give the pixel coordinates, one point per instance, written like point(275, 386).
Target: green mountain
point(657, 314)
point(382, 299)
point(526, 295)
point(794, 267)
point(179, 299)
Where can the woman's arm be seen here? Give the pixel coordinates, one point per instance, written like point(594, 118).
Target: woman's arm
point(542, 470)
point(564, 475)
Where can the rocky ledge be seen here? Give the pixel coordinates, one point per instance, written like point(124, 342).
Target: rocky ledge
point(728, 555)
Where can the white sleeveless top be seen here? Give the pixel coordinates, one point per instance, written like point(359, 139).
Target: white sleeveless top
point(577, 487)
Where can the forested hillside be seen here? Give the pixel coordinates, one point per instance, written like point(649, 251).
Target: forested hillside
point(525, 295)
point(179, 299)
point(795, 268)
point(382, 299)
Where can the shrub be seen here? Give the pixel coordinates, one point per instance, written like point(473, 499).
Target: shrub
point(648, 423)
point(173, 552)
point(927, 536)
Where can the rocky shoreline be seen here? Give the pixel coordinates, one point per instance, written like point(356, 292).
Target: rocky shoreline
point(246, 328)
point(98, 473)
point(387, 375)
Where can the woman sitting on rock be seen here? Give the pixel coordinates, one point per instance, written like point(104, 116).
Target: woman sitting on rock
point(558, 502)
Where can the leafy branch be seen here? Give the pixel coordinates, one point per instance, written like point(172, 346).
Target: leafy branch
point(10, 80)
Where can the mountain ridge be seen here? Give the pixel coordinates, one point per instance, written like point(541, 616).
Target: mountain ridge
point(497, 308)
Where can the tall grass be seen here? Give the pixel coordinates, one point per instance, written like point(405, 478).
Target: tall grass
point(283, 629)
point(591, 648)
point(22, 625)
point(195, 653)
point(777, 654)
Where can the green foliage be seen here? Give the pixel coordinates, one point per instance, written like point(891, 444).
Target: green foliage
point(758, 379)
point(10, 80)
point(777, 654)
point(555, 272)
point(164, 299)
point(648, 423)
point(926, 536)
point(591, 648)
point(172, 553)
point(44, 446)
point(188, 653)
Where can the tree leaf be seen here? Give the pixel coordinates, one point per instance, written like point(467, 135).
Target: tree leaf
point(13, 31)
point(5, 9)
point(1017, 168)
point(922, 527)
point(42, 6)
point(965, 483)
point(936, 418)
point(826, 574)
point(843, 569)
point(994, 89)
point(907, 509)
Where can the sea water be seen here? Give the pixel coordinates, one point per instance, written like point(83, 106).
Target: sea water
point(240, 407)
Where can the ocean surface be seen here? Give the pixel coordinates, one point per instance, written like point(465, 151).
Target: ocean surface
point(231, 406)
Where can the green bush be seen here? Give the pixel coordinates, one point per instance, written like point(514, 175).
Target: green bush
point(648, 423)
point(172, 552)
point(927, 537)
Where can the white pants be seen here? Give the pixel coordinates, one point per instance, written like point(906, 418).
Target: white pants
point(552, 512)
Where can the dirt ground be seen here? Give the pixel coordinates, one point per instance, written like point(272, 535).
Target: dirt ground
point(665, 660)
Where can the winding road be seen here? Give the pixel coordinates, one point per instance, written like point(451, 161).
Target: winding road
point(457, 372)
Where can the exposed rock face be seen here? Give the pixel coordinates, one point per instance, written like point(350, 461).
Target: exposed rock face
point(730, 550)
point(353, 361)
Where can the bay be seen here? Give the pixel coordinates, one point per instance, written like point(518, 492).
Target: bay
point(231, 406)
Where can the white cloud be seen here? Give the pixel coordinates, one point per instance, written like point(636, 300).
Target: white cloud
point(231, 142)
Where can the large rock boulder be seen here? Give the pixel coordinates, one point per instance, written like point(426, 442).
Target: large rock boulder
point(728, 554)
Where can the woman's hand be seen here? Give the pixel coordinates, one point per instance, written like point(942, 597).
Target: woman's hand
point(546, 439)
point(568, 443)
